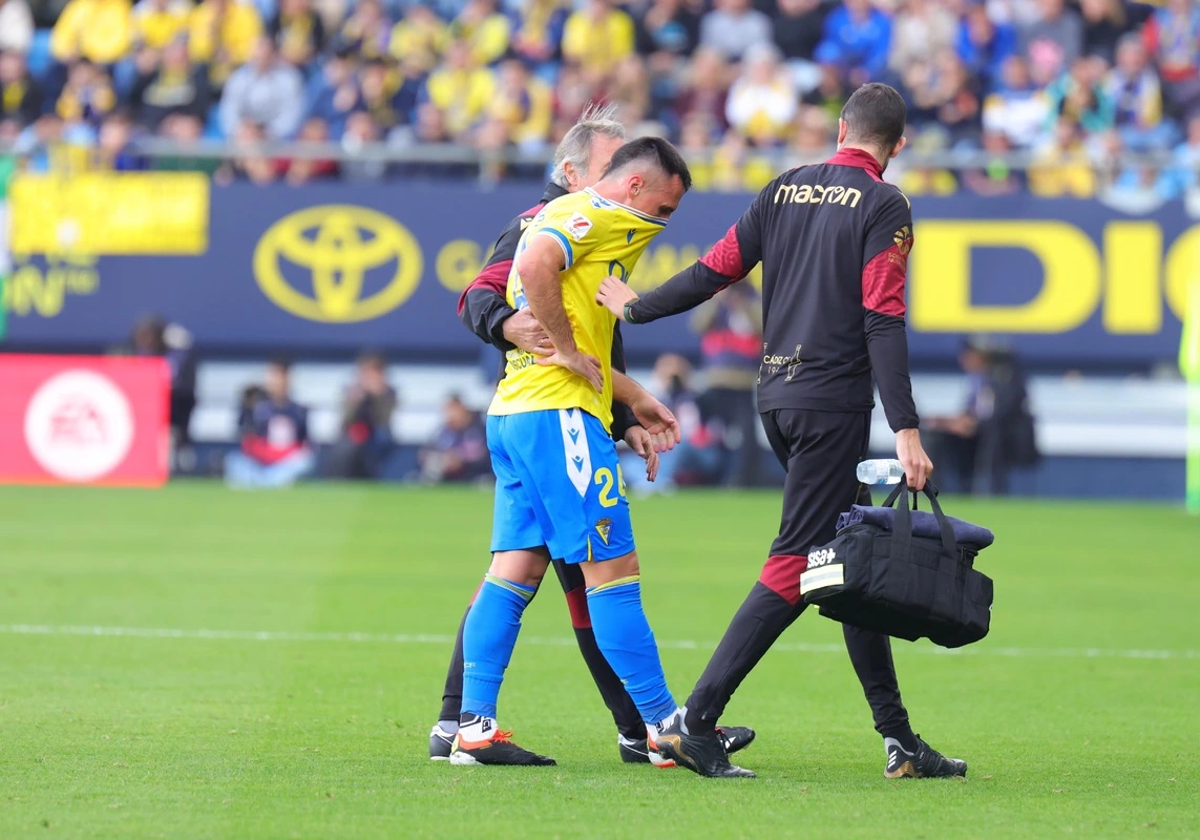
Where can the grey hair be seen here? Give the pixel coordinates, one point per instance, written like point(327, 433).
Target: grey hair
point(576, 146)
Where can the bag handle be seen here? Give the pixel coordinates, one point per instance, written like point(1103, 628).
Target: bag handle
point(902, 532)
point(931, 489)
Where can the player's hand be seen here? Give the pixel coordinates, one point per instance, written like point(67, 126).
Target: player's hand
point(643, 444)
point(523, 330)
point(613, 295)
point(658, 420)
point(912, 457)
point(581, 364)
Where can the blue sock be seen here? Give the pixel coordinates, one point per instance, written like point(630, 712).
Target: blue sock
point(489, 637)
point(624, 637)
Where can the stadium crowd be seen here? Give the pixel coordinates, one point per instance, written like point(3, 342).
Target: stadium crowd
point(741, 84)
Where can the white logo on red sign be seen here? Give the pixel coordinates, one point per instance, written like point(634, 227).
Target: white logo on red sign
point(578, 226)
point(79, 426)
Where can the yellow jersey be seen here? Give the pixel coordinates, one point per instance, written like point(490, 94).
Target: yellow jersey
point(599, 238)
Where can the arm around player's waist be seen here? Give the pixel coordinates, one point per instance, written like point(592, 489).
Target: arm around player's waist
point(482, 306)
point(484, 311)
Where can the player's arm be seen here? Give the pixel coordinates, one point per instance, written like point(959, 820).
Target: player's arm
point(885, 265)
point(539, 266)
point(653, 416)
point(728, 261)
point(623, 419)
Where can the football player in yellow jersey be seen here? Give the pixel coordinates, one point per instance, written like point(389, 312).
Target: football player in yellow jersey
point(558, 482)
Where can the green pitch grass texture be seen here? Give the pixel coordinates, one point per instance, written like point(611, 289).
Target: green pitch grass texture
point(224, 692)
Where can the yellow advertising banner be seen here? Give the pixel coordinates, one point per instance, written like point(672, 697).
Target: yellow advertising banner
point(118, 214)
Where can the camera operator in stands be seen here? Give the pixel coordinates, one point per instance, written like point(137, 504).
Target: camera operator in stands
point(275, 451)
point(366, 429)
point(459, 451)
point(994, 432)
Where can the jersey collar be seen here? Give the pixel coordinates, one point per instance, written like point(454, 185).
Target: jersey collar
point(857, 158)
point(643, 216)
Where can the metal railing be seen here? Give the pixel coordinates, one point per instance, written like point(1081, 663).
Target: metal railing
point(491, 165)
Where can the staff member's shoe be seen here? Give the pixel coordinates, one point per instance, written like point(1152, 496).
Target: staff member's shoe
point(925, 763)
point(735, 738)
point(703, 754)
point(441, 743)
point(637, 751)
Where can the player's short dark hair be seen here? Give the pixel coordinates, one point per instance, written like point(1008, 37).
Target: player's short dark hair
point(875, 115)
point(656, 150)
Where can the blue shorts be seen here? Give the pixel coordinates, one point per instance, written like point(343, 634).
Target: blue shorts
point(558, 484)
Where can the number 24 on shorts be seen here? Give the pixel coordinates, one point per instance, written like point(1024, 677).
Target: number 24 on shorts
point(604, 477)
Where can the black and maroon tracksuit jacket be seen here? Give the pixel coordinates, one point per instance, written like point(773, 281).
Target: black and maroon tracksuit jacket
point(833, 240)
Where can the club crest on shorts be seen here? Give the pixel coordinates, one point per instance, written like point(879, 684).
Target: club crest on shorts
point(604, 528)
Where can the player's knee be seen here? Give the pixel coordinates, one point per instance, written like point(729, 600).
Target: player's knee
point(525, 566)
point(597, 573)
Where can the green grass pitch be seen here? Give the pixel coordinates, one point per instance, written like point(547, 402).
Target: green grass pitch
point(247, 707)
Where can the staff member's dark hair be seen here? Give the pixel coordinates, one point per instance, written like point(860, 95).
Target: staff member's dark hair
point(875, 116)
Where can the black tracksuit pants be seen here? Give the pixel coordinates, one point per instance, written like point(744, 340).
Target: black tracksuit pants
point(819, 450)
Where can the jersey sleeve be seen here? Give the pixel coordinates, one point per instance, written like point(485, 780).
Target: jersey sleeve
point(731, 259)
point(885, 256)
point(885, 265)
point(576, 230)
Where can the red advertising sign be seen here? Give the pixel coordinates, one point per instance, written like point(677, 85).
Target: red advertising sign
point(83, 420)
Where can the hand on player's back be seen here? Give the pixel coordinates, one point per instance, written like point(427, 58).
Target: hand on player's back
point(578, 363)
point(912, 457)
point(614, 295)
point(523, 330)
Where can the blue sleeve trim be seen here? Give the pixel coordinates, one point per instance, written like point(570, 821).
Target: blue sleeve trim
point(563, 242)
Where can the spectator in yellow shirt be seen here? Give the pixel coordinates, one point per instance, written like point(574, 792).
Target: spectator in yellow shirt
point(763, 101)
point(523, 103)
point(540, 33)
point(420, 37)
point(1062, 167)
point(156, 23)
point(222, 34)
point(298, 31)
point(367, 30)
point(461, 90)
point(597, 37)
point(928, 180)
point(100, 31)
point(88, 95)
point(484, 28)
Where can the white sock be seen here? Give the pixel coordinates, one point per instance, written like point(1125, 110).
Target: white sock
point(666, 723)
point(480, 729)
point(683, 720)
point(450, 727)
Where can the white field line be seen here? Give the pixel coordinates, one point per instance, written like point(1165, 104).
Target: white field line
point(541, 641)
